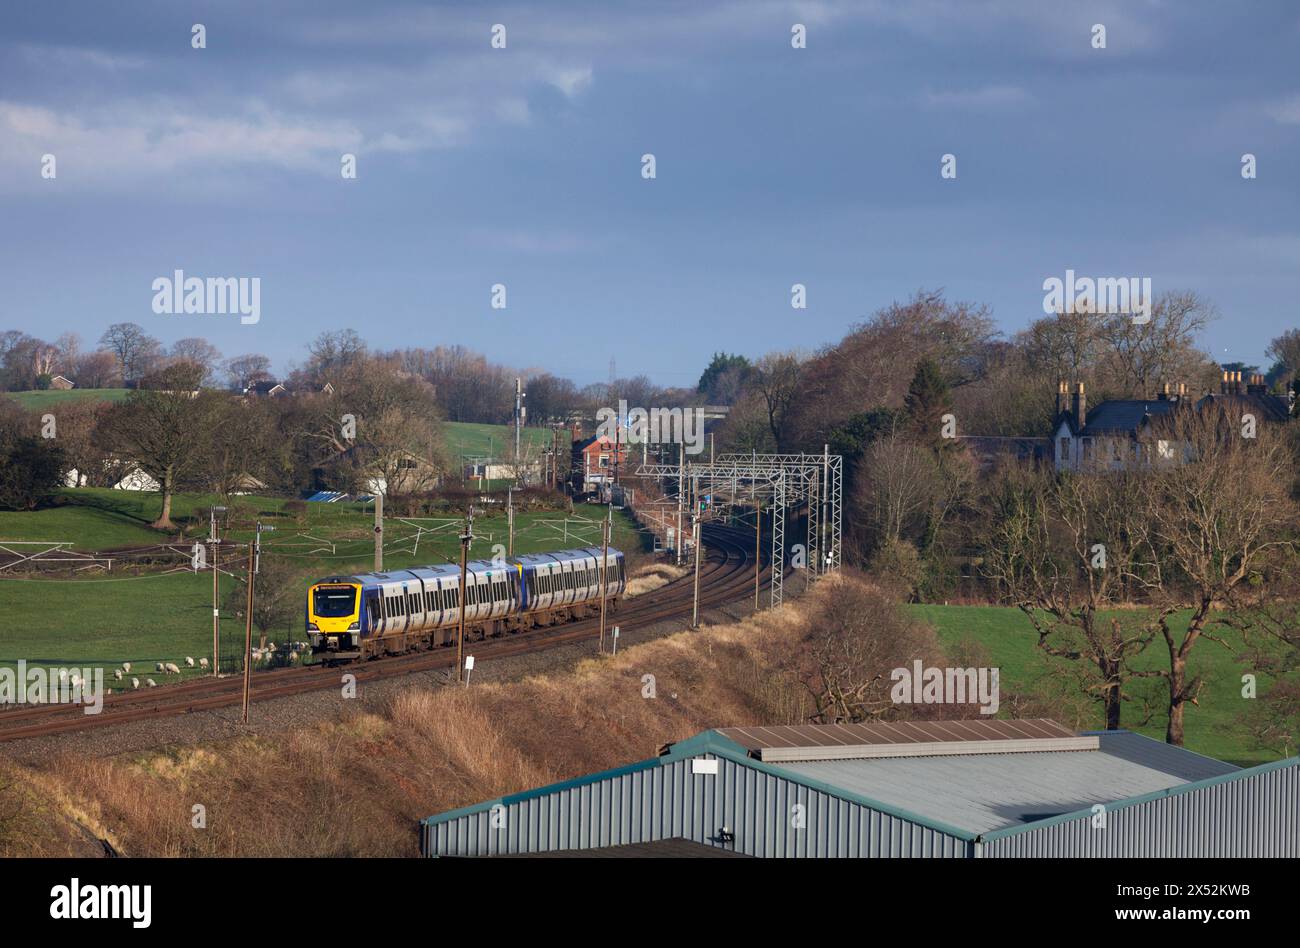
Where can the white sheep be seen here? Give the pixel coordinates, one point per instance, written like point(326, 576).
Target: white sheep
point(158, 667)
point(189, 661)
point(76, 681)
point(203, 663)
point(63, 674)
point(293, 657)
point(171, 668)
point(151, 683)
point(135, 682)
point(126, 667)
point(117, 674)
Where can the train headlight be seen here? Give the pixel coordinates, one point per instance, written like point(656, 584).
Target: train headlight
point(311, 627)
point(355, 627)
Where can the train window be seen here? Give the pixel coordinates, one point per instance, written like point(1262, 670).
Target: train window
point(414, 603)
point(372, 609)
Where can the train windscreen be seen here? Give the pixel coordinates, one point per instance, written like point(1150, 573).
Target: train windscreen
point(334, 602)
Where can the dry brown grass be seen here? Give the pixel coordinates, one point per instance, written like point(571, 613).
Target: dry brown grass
point(652, 577)
point(357, 786)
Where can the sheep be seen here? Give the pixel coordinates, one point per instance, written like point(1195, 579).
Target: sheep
point(189, 661)
point(293, 657)
point(126, 667)
point(117, 674)
point(75, 680)
point(151, 683)
point(171, 668)
point(135, 682)
point(63, 674)
point(203, 663)
point(158, 667)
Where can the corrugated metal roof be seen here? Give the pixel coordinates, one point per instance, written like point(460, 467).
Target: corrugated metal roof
point(986, 792)
point(906, 739)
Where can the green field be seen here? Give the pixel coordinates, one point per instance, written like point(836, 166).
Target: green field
point(126, 615)
point(495, 441)
point(1212, 728)
point(50, 398)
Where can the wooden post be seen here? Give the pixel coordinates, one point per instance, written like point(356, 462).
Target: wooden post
point(216, 607)
point(464, 560)
point(695, 614)
point(604, 571)
point(248, 630)
point(379, 532)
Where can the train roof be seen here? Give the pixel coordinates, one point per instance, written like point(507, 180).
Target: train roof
point(443, 570)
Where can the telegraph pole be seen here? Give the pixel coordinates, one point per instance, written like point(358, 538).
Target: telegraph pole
point(695, 613)
point(248, 620)
point(510, 520)
point(379, 532)
point(465, 539)
point(519, 420)
point(216, 591)
point(604, 570)
point(681, 488)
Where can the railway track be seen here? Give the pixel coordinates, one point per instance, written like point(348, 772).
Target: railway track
point(726, 575)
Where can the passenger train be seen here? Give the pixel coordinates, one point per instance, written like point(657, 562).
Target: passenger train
point(374, 614)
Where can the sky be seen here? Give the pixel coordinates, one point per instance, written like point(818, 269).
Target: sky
point(522, 166)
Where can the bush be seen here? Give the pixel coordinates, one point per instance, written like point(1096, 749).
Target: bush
point(30, 469)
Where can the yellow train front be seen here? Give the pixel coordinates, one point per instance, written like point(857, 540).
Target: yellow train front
point(399, 611)
point(334, 616)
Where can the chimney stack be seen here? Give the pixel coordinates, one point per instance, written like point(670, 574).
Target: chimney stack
point(1062, 398)
point(1223, 384)
point(1164, 393)
point(1079, 405)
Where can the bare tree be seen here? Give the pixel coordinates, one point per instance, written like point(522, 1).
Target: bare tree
point(1164, 347)
point(245, 370)
point(197, 351)
point(776, 379)
point(1220, 515)
point(1285, 349)
point(132, 346)
point(165, 429)
point(849, 651)
point(1066, 550)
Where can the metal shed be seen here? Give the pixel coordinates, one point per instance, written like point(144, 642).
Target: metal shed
point(967, 789)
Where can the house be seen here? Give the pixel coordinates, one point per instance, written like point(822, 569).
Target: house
point(1120, 432)
point(411, 473)
point(595, 461)
point(132, 478)
point(62, 383)
point(267, 388)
